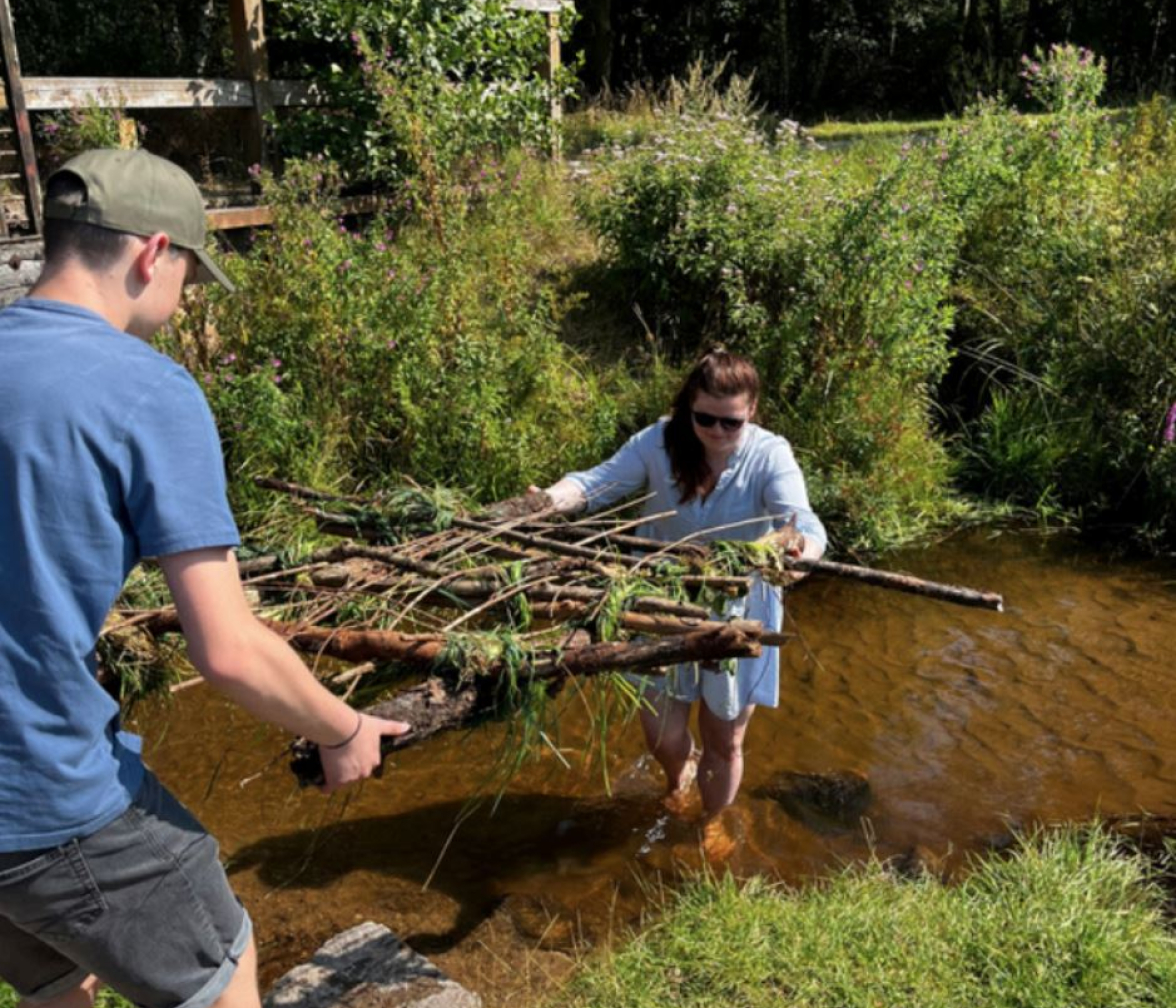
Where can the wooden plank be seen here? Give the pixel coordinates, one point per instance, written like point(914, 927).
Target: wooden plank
point(45, 93)
point(20, 265)
point(541, 6)
point(20, 120)
point(252, 63)
point(228, 218)
point(295, 92)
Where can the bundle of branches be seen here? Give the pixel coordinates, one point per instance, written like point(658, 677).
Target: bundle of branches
point(505, 604)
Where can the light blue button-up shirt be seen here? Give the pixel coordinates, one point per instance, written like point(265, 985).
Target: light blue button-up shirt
point(760, 490)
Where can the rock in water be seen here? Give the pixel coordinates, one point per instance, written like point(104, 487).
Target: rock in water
point(367, 966)
point(825, 802)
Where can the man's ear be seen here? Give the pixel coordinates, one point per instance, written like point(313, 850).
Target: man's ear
point(153, 248)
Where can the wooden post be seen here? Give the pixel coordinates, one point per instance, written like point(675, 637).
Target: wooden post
point(252, 64)
point(553, 64)
point(551, 10)
point(20, 117)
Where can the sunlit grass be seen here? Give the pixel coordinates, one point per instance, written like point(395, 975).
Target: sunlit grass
point(1066, 922)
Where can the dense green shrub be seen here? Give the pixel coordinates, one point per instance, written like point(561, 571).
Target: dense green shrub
point(420, 344)
point(447, 78)
point(1067, 294)
point(834, 281)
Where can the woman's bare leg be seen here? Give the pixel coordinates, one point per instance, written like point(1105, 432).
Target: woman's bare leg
point(720, 770)
point(666, 723)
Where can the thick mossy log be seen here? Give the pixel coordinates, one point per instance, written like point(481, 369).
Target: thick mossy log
point(443, 704)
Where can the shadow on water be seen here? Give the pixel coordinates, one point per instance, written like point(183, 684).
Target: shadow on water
point(473, 853)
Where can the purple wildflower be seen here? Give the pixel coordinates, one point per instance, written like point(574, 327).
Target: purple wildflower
point(1170, 426)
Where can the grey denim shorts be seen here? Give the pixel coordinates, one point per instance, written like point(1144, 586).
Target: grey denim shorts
point(143, 903)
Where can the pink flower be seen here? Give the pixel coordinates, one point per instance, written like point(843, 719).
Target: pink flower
point(1170, 426)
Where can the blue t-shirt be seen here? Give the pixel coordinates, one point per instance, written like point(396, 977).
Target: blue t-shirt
point(108, 454)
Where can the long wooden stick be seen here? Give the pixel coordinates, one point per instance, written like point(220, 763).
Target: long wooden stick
point(536, 505)
point(956, 594)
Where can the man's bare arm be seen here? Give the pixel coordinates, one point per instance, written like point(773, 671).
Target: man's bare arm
point(255, 668)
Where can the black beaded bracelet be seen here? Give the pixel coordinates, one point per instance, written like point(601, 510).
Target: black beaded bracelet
point(350, 738)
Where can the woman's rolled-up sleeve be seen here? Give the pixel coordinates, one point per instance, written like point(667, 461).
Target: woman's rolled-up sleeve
point(617, 477)
point(785, 494)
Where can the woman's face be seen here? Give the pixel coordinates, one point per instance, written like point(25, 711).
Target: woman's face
point(707, 414)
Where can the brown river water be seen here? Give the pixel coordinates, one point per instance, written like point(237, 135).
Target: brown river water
point(966, 723)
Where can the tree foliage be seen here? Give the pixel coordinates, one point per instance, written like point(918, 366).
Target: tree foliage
point(859, 57)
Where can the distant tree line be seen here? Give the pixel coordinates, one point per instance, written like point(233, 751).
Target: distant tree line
point(814, 58)
point(810, 58)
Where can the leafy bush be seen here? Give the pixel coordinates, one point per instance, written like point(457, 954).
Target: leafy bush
point(835, 283)
point(1068, 309)
point(448, 79)
point(64, 134)
point(421, 344)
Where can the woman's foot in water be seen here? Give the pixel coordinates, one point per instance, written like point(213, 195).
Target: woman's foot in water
point(681, 799)
point(721, 834)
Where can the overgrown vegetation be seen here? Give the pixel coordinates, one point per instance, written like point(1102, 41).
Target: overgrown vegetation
point(418, 85)
point(988, 309)
point(419, 346)
point(1066, 921)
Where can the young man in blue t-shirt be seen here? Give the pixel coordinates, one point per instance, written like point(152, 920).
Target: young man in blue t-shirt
point(108, 454)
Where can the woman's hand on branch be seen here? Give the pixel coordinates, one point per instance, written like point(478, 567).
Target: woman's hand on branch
point(788, 541)
point(565, 496)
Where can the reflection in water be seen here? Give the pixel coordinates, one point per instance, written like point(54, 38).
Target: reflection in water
point(963, 722)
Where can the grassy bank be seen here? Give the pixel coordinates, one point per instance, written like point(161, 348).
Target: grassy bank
point(1065, 922)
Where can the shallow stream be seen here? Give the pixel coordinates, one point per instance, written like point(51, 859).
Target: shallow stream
point(965, 723)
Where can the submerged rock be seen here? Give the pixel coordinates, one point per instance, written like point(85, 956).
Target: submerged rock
point(822, 801)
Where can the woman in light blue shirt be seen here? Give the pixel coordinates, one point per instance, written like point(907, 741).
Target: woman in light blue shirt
point(726, 478)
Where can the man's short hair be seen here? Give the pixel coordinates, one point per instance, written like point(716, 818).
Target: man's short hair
point(97, 248)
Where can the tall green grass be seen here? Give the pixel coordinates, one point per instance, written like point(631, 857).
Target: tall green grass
point(1067, 921)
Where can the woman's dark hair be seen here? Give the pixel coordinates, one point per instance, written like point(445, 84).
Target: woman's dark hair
point(717, 373)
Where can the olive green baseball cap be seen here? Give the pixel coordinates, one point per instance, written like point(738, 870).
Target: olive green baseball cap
point(139, 193)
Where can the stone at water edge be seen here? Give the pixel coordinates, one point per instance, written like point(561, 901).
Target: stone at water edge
point(367, 966)
point(822, 801)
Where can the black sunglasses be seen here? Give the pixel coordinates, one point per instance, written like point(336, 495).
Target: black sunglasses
point(728, 423)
